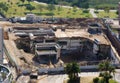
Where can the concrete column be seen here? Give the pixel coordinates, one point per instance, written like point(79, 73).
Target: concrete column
point(1, 45)
point(58, 53)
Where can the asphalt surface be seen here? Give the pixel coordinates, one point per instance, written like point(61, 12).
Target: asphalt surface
point(55, 5)
point(62, 77)
point(117, 76)
point(53, 79)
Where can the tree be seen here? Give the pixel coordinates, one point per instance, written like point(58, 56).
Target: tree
point(72, 69)
point(106, 69)
point(51, 7)
point(106, 76)
point(106, 66)
point(4, 7)
point(59, 8)
point(96, 80)
point(107, 9)
point(22, 1)
point(83, 3)
point(29, 1)
point(74, 9)
point(117, 12)
point(40, 7)
point(8, 1)
point(30, 7)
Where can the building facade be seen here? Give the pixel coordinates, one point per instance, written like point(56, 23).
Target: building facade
point(1, 45)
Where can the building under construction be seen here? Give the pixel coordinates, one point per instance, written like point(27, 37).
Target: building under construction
point(34, 46)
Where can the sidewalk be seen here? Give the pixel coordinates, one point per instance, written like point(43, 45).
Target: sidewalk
point(92, 13)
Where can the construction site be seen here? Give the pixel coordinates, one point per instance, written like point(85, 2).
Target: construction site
point(36, 47)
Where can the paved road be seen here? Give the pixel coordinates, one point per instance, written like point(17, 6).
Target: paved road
point(92, 13)
point(53, 79)
point(86, 74)
point(23, 79)
point(61, 78)
point(117, 76)
point(55, 5)
point(110, 10)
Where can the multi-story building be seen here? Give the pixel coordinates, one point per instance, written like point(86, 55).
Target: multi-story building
point(80, 39)
point(47, 49)
point(65, 41)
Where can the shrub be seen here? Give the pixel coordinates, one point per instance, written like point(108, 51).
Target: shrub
point(96, 80)
point(30, 7)
point(85, 11)
point(49, 14)
point(96, 12)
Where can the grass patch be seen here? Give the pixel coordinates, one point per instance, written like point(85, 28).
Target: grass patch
point(112, 81)
point(89, 79)
point(103, 14)
point(17, 8)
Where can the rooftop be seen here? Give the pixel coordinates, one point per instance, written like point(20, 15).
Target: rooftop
point(115, 24)
point(46, 49)
point(47, 52)
point(81, 33)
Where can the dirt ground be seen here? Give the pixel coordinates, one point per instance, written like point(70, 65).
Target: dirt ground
point(88, 79)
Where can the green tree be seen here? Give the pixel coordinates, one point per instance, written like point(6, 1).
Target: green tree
point(74, 9)
point(96, 80)
point(29, 1)
point(3, 7)
point(40, 7)
point(22, 1)
point(106, 76)
point(83, 3)
point(8, 1)
point(106, 66)
point(107, 9)
point(72, 69)
point(106, 69)
point(117, 12)
point(51, 7)
point(30, 7)
point(59, 8)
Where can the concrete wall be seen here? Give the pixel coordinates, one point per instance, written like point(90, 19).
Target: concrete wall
point(104, 49)
point(95, 48)
point(71, 43)
point(114, 40)
point(114, 55)
point(55, 46)
point(58, 52)
point(1, 45)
